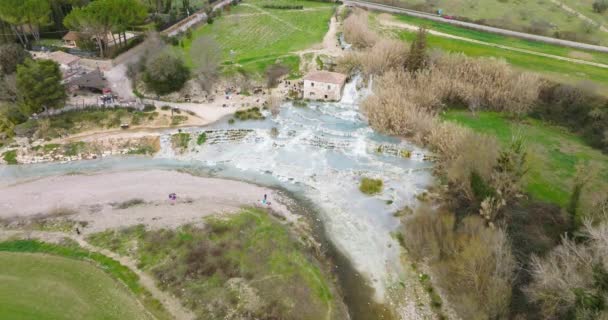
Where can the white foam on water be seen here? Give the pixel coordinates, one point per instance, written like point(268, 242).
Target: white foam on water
point(323, 151)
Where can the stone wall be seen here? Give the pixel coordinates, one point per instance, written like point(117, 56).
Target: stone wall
point(314, 90)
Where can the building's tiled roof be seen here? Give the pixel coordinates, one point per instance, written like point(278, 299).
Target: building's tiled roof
point(326, 77)
point(72, 36)
point(63, 58)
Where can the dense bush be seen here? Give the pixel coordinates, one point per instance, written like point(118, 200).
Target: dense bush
point(39, 85)
point(380, 58)
point(572, 280)
point(600, 6)
point(357, 31)
point(371, 186)
point(165, 73)
point(576, 108)
point(471, 262)
point(11, 55)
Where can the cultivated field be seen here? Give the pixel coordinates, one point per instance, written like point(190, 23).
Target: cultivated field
point(553, 155)
point(259, 36)
point(41, 286)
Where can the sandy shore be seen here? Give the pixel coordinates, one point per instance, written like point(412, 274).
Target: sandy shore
point(97, 198)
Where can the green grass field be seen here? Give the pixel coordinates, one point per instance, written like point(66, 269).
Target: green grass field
point(198, 265)
point(505, 40)
point(561, 71)
point(41, 286)
point(260, 37)
point(553, 154)
point(73, 258)
point(518, 15)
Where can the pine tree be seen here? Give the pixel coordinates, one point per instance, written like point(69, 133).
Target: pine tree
point(417, 57)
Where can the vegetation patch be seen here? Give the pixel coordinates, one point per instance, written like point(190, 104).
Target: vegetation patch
point(129, 203)
point(202, 137)
point(10, 157)
point(180, 141)
point(177, 120)
point(70, 266)
point(371, 186)
point(244, 264)
point(554, 155)
point(249, 114)
point(251, 38)
point(76, 121)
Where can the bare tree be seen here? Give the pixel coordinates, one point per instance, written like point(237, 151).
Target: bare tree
point(206, 56)
point(274, 104)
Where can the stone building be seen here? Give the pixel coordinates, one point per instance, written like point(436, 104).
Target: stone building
point(324, 85)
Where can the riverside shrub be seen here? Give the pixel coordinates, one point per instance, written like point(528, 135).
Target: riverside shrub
point(371, 186)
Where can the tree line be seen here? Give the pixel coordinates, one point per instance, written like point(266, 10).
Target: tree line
point(25, 21)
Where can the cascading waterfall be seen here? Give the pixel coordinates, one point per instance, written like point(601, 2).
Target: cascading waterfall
point(321, 152)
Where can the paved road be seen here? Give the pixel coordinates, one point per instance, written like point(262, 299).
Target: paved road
point(391, 9)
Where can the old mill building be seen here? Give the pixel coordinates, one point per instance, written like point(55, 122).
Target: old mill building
point(324, 85)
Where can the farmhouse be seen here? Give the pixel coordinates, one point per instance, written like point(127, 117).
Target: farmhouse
point(70, 38)
point(324, 85)
point(66, 61)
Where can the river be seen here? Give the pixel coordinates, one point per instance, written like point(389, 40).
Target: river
point(318, 152)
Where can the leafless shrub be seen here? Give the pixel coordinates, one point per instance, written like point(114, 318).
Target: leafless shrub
point(480, 276)
point(555, 277)
point(474, 153)
point(274, 73)
point(429, 234)
point(274, 104)
point(207, 61)
point(471, 262)
point(384, 55)
point(357, 31)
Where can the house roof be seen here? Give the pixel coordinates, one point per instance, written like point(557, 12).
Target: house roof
point(93, 79)
point(71, 36)
point(326, 77)
point(63, 58)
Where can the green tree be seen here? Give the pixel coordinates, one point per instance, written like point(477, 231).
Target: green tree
point(165, 73)
point(96, 19)
point(39, 86)
point(126, 15)
point(11, 55)
point(600, 6)
point(20, 13)
point(417, 57)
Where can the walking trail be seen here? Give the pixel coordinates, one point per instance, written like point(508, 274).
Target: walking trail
point(171, 303)
point(579, 15)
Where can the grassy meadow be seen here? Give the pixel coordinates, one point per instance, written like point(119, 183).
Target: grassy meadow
point(519, 15)
point(536, 46)
point(550, 68)
point(259, 37)
point(553, 154)
point(245, 263)
point(48, 281)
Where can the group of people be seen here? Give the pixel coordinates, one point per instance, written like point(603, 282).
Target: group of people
point(172, 198)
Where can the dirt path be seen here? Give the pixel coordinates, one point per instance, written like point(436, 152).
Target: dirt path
point(287, 23)
point(387, 21)
point(522, 35)
point(171, 303)
point(579, 15)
